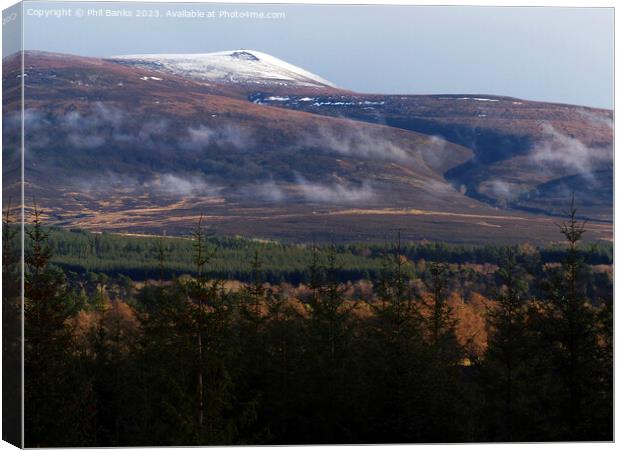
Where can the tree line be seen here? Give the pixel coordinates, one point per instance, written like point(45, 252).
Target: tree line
point(138, 256)
point(189, 361)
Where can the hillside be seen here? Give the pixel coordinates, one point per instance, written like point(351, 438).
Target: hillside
point(122, 145)
point(524, 151)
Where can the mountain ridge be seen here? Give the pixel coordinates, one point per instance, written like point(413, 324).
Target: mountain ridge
point(342, 161)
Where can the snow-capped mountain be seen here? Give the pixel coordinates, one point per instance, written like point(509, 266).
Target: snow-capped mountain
point(235, 66)
point(303, 158)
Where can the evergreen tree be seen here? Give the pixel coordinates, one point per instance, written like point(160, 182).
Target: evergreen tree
point(328, 330)
point(282, 417)
point(567, 331)
point(166, 367)
point(445, 396)
point(394, 357)
point(57, 398)
point(219, 414)
point(438, 317)
point(11, 329)
point(507, 360)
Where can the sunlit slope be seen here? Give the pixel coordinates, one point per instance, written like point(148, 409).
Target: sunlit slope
point(120, 147)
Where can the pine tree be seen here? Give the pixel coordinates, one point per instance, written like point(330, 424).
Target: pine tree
point(201, 258)
point(253, 299)
point(438, 320)
point(11, 329)
point(397, 310)
point(567, 330)
point(166, 367)
point(507, 358)
point(257, 290)
point(161, 259)
point(329, 335)
point(445, 397)
point(394, 356)
point(279, 420)
point(251, 363)
point(56, 395)
point(328, 311)
point(216, 349)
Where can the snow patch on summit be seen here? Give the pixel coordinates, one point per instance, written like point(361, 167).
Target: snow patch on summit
point(236, 66)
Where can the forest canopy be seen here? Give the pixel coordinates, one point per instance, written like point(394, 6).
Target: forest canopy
point(206, 340)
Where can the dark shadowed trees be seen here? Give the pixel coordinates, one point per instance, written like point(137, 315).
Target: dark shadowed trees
point(58, 400)
point(566, 328)
point(198, 361)
point(507, 362)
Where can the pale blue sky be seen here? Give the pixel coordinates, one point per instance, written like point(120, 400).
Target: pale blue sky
point(551, 54)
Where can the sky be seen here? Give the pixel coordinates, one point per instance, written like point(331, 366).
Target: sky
point(537, 53)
